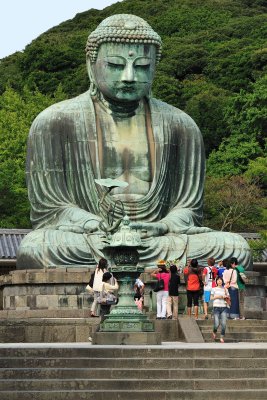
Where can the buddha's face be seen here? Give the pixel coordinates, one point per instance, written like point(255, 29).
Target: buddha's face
point(124, 72)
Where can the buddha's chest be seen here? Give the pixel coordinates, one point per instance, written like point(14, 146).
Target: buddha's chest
point(126, 150)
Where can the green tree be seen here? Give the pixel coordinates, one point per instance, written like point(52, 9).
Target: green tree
point(17, 112)
point(233, 204)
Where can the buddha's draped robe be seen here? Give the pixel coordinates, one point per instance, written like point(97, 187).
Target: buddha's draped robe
point(62, 164)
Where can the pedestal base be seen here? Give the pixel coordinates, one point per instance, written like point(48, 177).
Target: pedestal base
point(126, 338)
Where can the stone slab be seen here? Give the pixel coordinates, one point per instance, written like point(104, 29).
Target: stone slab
point(190, 330)
point(126, 338)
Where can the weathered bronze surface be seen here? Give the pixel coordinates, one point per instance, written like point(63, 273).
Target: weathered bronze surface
point(118, 130)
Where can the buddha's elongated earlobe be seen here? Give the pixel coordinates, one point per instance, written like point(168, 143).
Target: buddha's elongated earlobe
point(93, 87)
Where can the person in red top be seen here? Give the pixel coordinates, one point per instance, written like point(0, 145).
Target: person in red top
point(162, 295)
point(192, 276)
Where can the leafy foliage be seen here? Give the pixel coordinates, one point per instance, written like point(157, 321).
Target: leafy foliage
point(233, 204)
point(16, 115)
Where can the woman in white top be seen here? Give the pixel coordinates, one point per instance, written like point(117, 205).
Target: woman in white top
point(101, 268)
point(219, 294)
point(230, 282)
point(110, 288)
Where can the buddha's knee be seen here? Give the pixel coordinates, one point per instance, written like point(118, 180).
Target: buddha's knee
point(31, 250)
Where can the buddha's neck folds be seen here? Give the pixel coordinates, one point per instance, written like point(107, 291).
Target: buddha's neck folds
point(120, 109)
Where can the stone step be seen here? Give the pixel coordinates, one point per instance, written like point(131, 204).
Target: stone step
point(135, 363)
point(238, 323)
point(226, 394)
point(129, 384)
point(130, 373)
point(129, 352)
point(240, 336)
point(240, 329)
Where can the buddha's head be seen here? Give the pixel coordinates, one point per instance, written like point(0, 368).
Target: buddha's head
point(121, 57)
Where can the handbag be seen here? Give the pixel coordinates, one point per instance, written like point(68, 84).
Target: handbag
point(201, 283)
point(106, 298)
point(242, 277)
point(227, 299)
point(89, 289)
point(159, 285)
point(91, 282)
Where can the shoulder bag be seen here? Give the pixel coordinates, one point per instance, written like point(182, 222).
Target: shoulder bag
point(159, 285)
point(106, 298)
point(227, 285)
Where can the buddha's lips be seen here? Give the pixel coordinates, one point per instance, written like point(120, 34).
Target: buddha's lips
point(127, 88)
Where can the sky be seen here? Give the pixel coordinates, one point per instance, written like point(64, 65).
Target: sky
point(24, 20)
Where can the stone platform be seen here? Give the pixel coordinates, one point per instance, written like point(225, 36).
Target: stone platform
point(126, 338)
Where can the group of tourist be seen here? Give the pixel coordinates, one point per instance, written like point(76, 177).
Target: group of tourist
point(102, 284)
point(167, 297)
point(224, 284)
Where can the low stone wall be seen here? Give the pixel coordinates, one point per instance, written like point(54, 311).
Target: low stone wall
point(64, 289)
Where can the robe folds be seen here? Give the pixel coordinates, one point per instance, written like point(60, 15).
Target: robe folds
point(63, 161)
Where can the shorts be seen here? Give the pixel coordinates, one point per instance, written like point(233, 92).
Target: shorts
point(192, 295)
point(207, 296)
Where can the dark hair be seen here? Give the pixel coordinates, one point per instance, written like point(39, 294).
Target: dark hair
point(233, 260)
point(173, 269)
point(193, 269)
point(226, 263)
point(163, 268)
point(219, 277)
point(106, 276)
point(194, 263)
point(211, 261)
point(102, 264)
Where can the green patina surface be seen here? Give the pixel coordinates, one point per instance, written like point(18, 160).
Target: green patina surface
point(118, 130)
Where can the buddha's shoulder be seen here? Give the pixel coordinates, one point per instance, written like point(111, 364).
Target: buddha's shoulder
point(68, 108)
point(171, 112)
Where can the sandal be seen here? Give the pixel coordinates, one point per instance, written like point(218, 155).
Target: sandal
point(93, 315)
point(222, 340)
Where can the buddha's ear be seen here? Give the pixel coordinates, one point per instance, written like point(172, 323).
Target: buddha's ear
point(93, 87)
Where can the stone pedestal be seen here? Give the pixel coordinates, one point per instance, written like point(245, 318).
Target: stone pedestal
point(126, 338)
point(45, 290)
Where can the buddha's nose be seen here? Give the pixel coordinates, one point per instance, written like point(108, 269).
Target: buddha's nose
point(128, 74)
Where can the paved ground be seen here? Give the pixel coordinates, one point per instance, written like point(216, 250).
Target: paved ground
point(173, 345)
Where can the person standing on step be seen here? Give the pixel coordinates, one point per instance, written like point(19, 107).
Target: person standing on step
point(241, 283)
point(173, 298)
point(139, 289)
point(209, 275)
point(222, 267)
point(193, 277)
point(219, 294)
point(162, 274)
point(107, 287)
point(230, 283)
point(101, 268)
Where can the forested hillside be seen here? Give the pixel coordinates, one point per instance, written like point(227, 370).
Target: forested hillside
point(213, 66)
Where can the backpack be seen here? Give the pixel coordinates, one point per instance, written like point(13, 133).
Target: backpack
point(242, 277)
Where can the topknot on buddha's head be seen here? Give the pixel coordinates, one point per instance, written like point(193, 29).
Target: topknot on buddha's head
point(122, 28)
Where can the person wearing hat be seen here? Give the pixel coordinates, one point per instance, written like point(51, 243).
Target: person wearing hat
point(162, 295)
